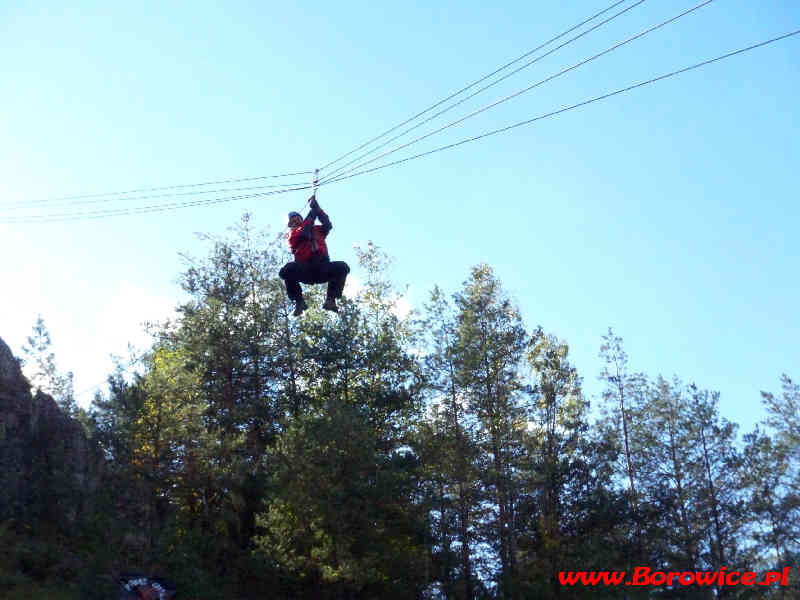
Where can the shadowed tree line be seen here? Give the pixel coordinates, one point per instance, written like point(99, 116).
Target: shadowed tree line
point(445, 454)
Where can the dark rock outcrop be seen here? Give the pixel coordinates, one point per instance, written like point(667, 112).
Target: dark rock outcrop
point(49, 469)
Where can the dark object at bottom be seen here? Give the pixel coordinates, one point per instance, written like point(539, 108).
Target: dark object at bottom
point(135, 586)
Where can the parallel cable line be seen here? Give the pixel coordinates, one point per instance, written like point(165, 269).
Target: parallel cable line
point(471, 85)
point(159, 208)
point(529, 88)
point(568, 108)
point(483, 89)
point(27, 205)
point(171, 187)
point(98, 214)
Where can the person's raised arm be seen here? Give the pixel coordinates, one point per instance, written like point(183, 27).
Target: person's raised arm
point(308, 224)
point(323, 217)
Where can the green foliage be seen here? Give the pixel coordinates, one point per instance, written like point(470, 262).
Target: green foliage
point(378, 454)
point(41, 369)
point(342, 516)
point(35, 565)
point(37, 591)
point(771, 480)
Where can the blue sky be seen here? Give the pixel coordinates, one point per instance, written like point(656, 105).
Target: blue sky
point(669, 213)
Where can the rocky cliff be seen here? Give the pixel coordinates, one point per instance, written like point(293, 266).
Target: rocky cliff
point(49, 469)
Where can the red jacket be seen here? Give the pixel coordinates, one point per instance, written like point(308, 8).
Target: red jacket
point(303, 247)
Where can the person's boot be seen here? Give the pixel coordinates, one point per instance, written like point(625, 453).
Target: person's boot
point(299, 306)
point(330, 304)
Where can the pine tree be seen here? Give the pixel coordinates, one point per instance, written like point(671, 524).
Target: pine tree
point(449, 453)
point(622, 389)
point(772, 483)
point(490, 347)
point(553, 449)
point(233, 334)
point(346, 516)
point(718, 494)
point(625, 398)
point(669, 482)
point(42, 371)
point(783, 417)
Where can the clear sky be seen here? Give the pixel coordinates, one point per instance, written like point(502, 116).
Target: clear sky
point(669, 213)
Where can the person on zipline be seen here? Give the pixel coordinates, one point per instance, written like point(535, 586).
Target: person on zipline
point(311, 263)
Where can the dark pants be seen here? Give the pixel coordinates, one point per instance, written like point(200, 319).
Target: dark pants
point(332, 273)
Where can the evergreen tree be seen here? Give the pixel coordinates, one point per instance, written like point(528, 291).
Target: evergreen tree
point(625, 407)
point(771, 506)
point(668, 464)
point(448, 443)
point(42, 371)
point(233, 337)
point(771, 479)
point(783, 417)
point(491, 343)
point(717, 474)
point(622, 389)
point(345, 517)
point(553, 448)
